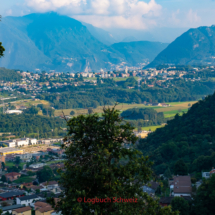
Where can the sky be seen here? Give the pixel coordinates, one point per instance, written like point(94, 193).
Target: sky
point(122, 14)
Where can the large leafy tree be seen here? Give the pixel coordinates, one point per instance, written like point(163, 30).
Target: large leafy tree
point(1, 47)
point(102, 162)
point(205, 198)
point(180, 168)
point(181, 205)
point(45, 174)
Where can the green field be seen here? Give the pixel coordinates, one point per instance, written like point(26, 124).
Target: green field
point(152, 128)
point(10, 164)
point(172, 113)
point(24, 180)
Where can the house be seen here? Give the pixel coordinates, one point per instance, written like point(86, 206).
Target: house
point(154, 185)
point(22, 211)
point(148, 190)
point(10, 208)
point(206, 175)
point(51, 186)
point(27, 200)
point(11, 195)
point(42, 208)
point(12, 176)
point(25, 157)
point(181, 186)
point(212, 171)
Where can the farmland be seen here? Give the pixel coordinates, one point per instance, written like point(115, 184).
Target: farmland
point(171, 111)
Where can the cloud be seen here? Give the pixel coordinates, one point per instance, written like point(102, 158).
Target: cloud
point(193, 17)
point(131, 14)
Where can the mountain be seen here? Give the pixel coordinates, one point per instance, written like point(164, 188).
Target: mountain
point(190, 137)
point(100, 34)
point(139, 52)
point(194, 47)
point(51, 41)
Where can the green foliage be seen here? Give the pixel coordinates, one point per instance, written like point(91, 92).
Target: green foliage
point(32, 110)
point(205, 197)
point(24, 124)
point(94, 167)
point(3, 178)
point(72, 113)
point(90, 110)
point(2, 49)
point(190, 137)
point(181, 205)
point(146, 114)
point(14, 169)
point(17, 160)
point(180, 168)
point(3, 166)
point(9, 75)
point(45, 174)
point(167, 173)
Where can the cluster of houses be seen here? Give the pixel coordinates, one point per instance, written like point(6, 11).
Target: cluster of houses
point(18, 201)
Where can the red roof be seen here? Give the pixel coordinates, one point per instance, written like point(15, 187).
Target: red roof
point(12, 174)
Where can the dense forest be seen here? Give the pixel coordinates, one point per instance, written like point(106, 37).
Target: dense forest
point(190, 137)
point(143, 117)
point(85, 97)
point(9, 75)
point(30, 125)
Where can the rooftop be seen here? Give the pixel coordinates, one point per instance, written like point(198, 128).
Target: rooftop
point(24, 209)
point(11, 207)
point(11, 194)
point(28, 197)
point(8, 149)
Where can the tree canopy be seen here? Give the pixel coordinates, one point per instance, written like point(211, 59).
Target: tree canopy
point(190, 137)
point(102, 163)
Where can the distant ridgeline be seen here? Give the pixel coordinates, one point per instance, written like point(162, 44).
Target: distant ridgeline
point(27, 124)
point(190, 137)
point(9, 75)
point(145, 117)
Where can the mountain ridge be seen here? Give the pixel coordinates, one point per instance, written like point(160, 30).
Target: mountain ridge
point(194, 47)
point(49, 41)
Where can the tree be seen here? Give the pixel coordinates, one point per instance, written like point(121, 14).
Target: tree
point(1, 47)
point(3, 166)
point(90, 110)
point(3, 178)
point(167, 173)
point(94, 151)
point(45, 174)
point(139, 129)
point(72, 113)
point(181, 205)
point(180, 168)
point(32, 110)
point(205, 197)
point(17, 160)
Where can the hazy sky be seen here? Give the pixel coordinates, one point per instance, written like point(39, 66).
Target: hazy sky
point(128, 14)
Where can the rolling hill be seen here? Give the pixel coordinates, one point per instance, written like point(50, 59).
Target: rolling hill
point(194, 47)
point(51, 41)
point(190, 137)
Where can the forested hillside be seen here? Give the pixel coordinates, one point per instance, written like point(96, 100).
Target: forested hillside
point(190, 137)
point(9, 75)
point(27, 124)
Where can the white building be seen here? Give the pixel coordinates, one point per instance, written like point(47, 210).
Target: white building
point(27, 200)
point(13, 112)
point(37, 165)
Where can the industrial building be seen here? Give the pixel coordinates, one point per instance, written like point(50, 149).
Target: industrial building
point(7, 150)
point(19, 142)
